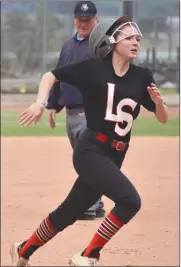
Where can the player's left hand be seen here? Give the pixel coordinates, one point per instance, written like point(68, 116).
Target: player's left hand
point(32, 114)
point(155, 94)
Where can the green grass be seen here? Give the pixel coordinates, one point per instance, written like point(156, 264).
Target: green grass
point(168, 91)
point(11, 127)
point(149, 126)
point(143, 126)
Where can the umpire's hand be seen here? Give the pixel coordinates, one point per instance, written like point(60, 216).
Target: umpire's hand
point(52, 118)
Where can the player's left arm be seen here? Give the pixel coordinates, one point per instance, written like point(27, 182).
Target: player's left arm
point(152, 99)
point(161, 110)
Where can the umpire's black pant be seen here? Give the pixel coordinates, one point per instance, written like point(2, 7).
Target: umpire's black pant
point(99, 172)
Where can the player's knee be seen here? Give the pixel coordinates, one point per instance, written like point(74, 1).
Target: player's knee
point(132, 206)
point(135, 203)
point(127, 208)
point(132, 202)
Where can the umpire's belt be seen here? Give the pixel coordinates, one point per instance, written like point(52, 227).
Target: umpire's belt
point(118, 145)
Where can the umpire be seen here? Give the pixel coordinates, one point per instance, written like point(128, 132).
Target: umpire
point(66, 95)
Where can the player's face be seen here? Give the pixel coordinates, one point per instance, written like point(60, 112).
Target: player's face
point(84, 25)
point(128, 43)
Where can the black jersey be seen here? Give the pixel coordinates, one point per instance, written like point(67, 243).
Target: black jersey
point(111, 102)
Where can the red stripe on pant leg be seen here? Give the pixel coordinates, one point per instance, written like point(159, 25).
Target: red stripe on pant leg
point(110, 227)
point(115, 220)
point(45, 230)
point(42, 235)
point(105, 231)
point(51, 228)
point(34, 240)
point(98, 241)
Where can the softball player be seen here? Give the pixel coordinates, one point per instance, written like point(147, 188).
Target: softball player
point(113, 90)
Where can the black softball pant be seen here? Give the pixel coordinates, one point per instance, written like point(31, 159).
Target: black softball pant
point(99, 174)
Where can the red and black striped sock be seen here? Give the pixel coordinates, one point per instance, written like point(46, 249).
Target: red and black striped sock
point(108, 228)
point(42, 235)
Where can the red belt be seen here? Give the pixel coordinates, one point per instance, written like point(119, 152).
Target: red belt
point(118, 145)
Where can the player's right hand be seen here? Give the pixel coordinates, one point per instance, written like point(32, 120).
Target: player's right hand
point(32, 114)
point(52, 118)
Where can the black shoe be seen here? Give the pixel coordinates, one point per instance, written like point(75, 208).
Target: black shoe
point(87, 216)
point(100, 213)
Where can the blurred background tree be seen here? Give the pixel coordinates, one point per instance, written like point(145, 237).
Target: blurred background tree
point(22, 36)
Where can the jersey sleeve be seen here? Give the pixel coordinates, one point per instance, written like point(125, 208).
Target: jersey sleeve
point(77, 74)
point(146, 101)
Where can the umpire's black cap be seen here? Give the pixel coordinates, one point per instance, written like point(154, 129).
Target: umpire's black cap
point(85, 9)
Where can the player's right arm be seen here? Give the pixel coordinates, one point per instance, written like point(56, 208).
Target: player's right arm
point(76, 74)
point(35, 111)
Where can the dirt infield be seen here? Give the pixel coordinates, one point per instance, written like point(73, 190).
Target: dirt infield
point(37, 174)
